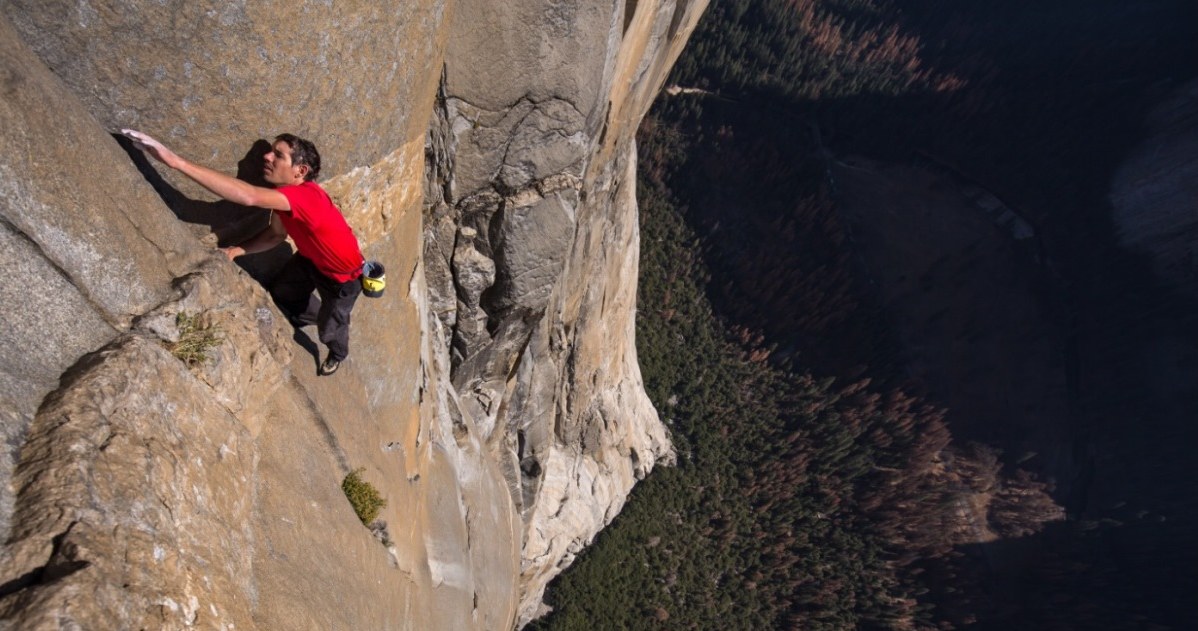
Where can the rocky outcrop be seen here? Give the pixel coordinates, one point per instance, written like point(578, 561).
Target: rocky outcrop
point(493, 394)
point(136, 484)
point(531, 247)
point(1152, 193)
point(79, 263)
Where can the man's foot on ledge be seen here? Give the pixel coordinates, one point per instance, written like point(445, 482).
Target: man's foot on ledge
point(329, 366)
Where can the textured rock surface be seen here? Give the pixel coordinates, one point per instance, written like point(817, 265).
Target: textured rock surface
point(76, 265)
point(215, 76)
point(537, 170)
point(492, 395)
point(1153, 191)
point(128, 469)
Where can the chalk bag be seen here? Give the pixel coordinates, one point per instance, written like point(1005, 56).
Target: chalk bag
point(373, 279)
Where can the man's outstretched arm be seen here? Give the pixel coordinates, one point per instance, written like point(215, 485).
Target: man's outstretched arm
point(225, 186)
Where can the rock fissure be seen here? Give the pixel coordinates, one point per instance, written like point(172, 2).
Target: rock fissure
point(147, 238)
point(165, 504)
point(496, 176)
point(515, 141)
point(526, 98)
point(109, 318)
point(103, 446)
point(55, 568)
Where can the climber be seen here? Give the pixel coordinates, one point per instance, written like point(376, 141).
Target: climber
point(327, 259)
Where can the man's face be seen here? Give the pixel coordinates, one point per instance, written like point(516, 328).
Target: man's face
point(278, 169)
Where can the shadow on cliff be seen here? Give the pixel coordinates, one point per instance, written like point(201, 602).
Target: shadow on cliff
point(1119, 453)
point(1045, 132)
point(230, 223)
point(1077, 574)
point(308, 344)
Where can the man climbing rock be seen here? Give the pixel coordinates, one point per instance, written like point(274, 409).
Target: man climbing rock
point(327, 259)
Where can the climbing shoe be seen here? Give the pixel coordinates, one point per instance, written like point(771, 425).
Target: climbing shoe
point(329, 366)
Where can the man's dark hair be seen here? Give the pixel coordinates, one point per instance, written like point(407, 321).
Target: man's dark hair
point(302, 152)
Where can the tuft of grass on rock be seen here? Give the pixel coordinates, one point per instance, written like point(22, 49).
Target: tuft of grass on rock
point(362, 495)
point(196, 339)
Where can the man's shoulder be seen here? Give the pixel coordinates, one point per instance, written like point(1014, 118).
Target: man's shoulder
point(309, 186)
point(306, 193)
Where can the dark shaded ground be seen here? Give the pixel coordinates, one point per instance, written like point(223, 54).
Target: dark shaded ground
point(1065, 351)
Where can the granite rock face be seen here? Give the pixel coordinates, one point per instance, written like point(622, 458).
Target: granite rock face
point(78, 263)
point(217, 75)
point(482, 150)
point(127, 471)
point(535, 172)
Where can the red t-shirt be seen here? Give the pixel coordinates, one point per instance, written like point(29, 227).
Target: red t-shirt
point(320, 232)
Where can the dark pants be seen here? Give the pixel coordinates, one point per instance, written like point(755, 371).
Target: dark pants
point(292, 291)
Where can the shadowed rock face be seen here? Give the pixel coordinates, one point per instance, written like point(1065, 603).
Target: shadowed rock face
point(1153, 191)
point(492, 395)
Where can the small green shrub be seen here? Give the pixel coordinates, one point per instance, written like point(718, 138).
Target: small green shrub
point(362, 496)
point(195, 339)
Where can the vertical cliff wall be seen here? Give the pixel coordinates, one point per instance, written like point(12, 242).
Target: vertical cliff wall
point(482, 150)
point(531, 248)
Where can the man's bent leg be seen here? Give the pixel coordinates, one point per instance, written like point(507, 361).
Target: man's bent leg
point(337, 301)
point(292, 291)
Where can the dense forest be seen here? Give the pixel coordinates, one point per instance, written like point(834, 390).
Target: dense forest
point(823, 482)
